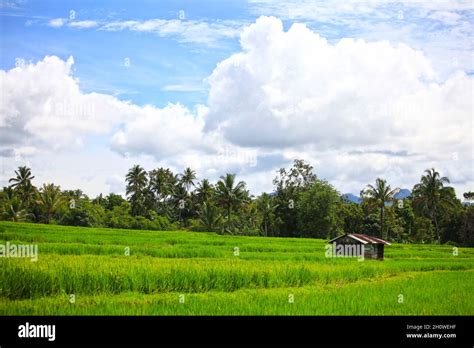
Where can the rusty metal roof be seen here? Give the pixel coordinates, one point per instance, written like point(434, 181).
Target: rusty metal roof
point(362, 238)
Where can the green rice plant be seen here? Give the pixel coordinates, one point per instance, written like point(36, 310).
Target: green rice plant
point(143, 272)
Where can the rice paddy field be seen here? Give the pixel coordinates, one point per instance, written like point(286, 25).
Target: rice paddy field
point(93, 271)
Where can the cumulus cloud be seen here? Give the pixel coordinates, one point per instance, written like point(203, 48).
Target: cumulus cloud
point(442, 29)
point(308, 94)
point(162, 132)
point(304, 90)
point(354, 109)
point(44, 112)
point(43, 107)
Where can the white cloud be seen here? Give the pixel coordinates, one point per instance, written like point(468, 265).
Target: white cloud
point(442, 29)
point(163, 132)
point(302, 89)
point(350, 12)
point(188, 31)
point(46, 122)
point(354, 109)
point(296, 90)
point(43, 107)
point(56, 22)
point(83, 24)
point(183, 88)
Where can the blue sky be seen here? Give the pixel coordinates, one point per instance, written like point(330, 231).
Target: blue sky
point(161, 66)
point(100, 55)
point(198, 66)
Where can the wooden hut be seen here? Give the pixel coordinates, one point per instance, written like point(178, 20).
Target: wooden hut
point(373, 247)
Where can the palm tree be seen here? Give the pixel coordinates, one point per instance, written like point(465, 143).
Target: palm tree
point(181, 201)
point(162, 182)
point(210, 217)
point(50, 200)
point(205, 191)
point(187, 178)
point(13, 210)
point(22, 184)
point(430, 195)
point(230, 195)
point(380, 194)
point(267, 208)
point(12, 206)
point(136, 185)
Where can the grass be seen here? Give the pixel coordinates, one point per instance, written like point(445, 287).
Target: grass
point(203, 267)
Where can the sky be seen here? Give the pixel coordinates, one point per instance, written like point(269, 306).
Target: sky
point(360, 90)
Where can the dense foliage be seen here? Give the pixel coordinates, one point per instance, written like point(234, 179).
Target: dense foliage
point(302, 205)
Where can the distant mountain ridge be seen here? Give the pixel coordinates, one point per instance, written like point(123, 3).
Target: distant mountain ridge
point(402, 194)
point(352, 198)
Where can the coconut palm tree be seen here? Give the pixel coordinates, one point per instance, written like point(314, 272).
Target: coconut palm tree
point(209, 216)
point(267, 208)
point(229, 194)
point(378, 195)
point(22, 184)
point(136, 185)
point(187, 178)
point(50, 200)
point(12, 206)
point(162, 182)
point(430, 196)
point(204, 191)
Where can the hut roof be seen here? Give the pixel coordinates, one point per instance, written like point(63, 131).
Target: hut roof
point(362, 238)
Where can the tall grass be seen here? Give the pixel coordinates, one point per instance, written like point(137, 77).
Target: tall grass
point(434, 293)
point(92, 264)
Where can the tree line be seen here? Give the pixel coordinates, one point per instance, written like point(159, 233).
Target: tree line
point(301, 205)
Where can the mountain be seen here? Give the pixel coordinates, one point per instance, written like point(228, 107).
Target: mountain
point(402, 194)
point(352, 198)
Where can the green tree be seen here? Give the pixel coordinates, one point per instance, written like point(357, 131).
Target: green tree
point(466, 232)
point(50, 200)
point(22, 185)
point(210, 217)
point(204, 191)
point(187, 178)
point(288, 186)
point(318, 214)
point(12, 206)
point(163, 184)
point(182, 202)
point(136, 189)
point(267, 208)
point(230, 195)
point(112, 200)
point(119, 216)
point(248, 219)
point(352, 216)
point(424, 231)
point(83, 213)
point(430, 197)
point(379, 195)
point(395, 225)
point(404, 210)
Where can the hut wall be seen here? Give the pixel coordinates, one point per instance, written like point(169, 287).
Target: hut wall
point(380, 248)
point(370, 251)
